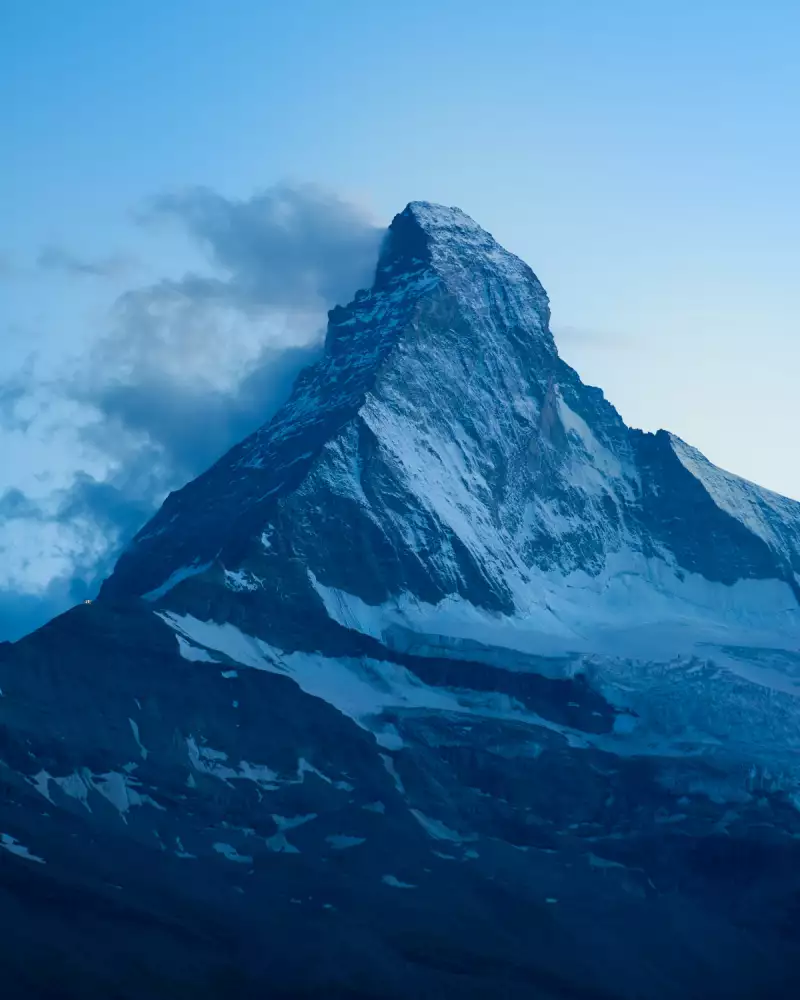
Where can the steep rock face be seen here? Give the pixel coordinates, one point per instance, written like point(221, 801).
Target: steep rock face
point(444, 683)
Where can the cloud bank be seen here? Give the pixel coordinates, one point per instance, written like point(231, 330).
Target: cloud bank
point(186, 368)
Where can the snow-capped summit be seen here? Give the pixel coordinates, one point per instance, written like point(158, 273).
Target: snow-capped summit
point(468, 261)
point(437, 271)
point(444, 682)
point(443, 442)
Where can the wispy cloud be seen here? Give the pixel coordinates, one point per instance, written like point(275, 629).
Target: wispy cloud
point(58, 258)
point(14, 504)
point(14, 390)
point(290, 247)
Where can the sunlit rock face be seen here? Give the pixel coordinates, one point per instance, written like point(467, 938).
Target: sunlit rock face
point(445, 682)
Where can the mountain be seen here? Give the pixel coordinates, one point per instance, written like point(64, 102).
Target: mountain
point(444, 683)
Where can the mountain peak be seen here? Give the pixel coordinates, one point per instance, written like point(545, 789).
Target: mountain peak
point(440, 228)
point(444, 631)
point(440, 419)
point(439, 219)
point(418, 234)
point(450, 313)
point(485, 277)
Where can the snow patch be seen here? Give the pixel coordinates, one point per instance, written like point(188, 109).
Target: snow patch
point(225, 638)
point(241, 580)
point(341, 842)
point(375, 807)
point(191, 652)
point(230, 852)
point(13, 846)
point(179, 575)
point(395, 882)
point(278, 842)
point(135, 731)
point(181, 851)
point(437, 830)
point(391, 770)
point(119, 789)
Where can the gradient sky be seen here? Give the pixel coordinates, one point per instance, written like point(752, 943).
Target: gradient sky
point(642, 156)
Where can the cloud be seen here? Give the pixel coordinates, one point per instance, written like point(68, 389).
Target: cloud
point(13, 391)
point(57, 258)
point(185, 427)
point(186, 368)
point(14, 504)
point(288, 247)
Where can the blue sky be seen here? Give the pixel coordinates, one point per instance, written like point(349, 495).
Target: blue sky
point(642, 157)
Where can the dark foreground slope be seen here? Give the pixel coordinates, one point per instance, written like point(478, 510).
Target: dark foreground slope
point(444, 684)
